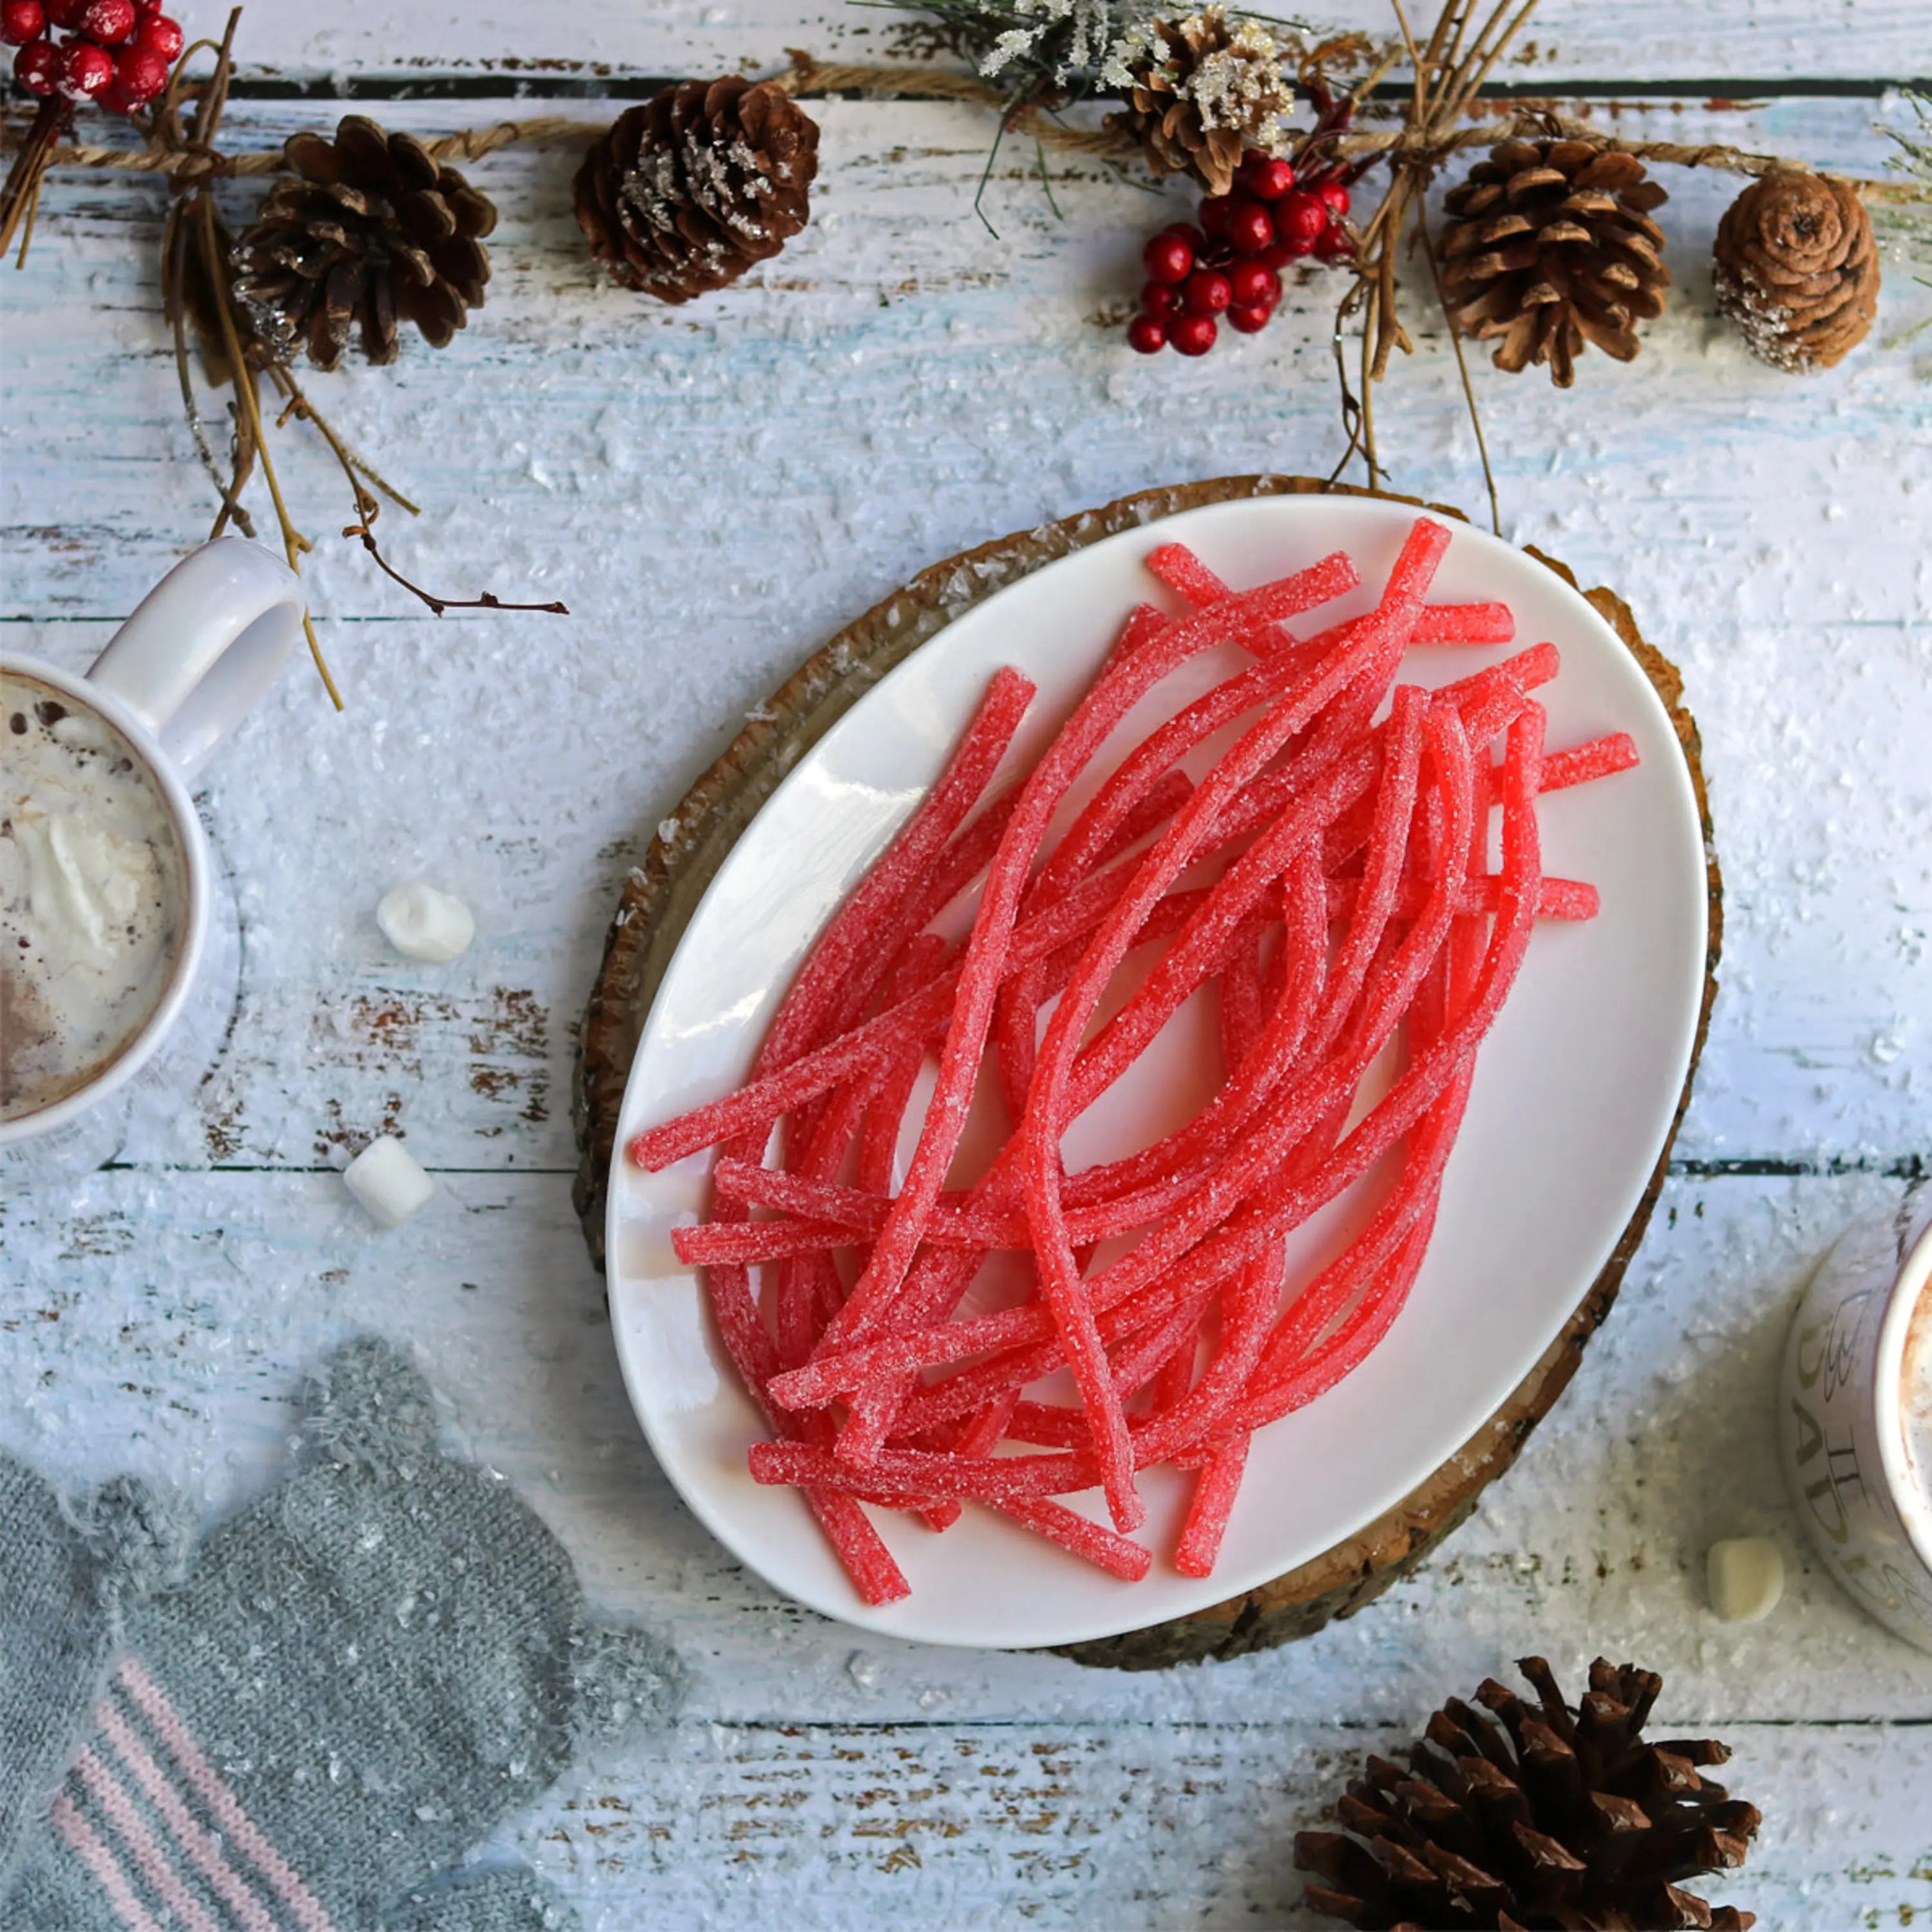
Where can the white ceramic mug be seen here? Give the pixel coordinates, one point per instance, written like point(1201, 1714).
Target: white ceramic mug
point(186, 668)
point(1842, 1401)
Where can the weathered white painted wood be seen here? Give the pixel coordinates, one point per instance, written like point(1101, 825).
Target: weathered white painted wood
point(1650, 40)
point(715, 491)
point(165, 1321)
point(825, 1778)
point(1187, 1826)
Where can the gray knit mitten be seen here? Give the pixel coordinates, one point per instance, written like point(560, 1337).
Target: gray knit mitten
point(362, 1675)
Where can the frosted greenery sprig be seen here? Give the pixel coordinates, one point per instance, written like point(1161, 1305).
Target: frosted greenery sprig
point(1914, 161)
point(1039, 53)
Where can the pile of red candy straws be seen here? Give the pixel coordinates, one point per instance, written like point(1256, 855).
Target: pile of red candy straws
point(1345, 836)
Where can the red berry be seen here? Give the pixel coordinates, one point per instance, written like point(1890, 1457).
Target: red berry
point(1270, 178)
point(65, 13)
point(1167, 258)
point(1213, 214)
point(1249, 230)
point(21, 21)
point(107, 22)
point(1147, 335)
point(1160, 300)
point(85, 70)
point(1248, 321)
point(1207, 292)
point(163, 36)
point(1335, 196)
point(140, 73)
point(1193, 334)
point(1279, 256)
point(1300, 217)
point(1334, 243)
point(1254, 286)
point(37, 68)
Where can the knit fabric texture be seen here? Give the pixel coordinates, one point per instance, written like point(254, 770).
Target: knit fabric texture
point(360, 1676)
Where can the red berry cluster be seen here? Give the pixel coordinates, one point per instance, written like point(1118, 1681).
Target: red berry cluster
point(1230, 264)
point(118, 53)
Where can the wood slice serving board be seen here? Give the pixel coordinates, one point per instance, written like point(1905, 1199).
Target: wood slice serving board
point(659, 897)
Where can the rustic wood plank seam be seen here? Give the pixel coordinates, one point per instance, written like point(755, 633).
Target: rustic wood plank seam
point(509, 84)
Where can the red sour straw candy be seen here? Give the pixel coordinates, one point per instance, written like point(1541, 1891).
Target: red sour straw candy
point(1324, 881)
point(876, 1576)
point(1126, 677)
point(1120, 685)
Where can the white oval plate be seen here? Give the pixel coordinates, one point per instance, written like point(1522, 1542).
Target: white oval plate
point(1573, 1098)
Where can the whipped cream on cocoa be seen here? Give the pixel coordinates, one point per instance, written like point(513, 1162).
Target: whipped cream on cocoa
point(93, 901)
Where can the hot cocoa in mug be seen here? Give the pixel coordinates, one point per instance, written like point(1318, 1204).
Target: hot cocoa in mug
point(1855, 1415)
point(105, 875)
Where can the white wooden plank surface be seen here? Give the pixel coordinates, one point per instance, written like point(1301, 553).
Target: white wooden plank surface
point(171, 1314)
point(1650, 39)
point(169, 1318)
point(901, 384)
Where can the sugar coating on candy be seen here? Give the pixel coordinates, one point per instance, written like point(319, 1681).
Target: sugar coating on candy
point(1744, 1577)
point(387, 1179)
point(422, 921)
point(1338, 902)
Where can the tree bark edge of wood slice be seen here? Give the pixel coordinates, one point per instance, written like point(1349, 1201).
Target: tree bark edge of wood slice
point(659, 896)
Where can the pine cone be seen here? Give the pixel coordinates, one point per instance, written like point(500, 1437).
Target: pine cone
point(1797, 270)
point(373, 231)
point(1202, 93)
point(1530, 1816)
point(1552, 246)
point(692, 187)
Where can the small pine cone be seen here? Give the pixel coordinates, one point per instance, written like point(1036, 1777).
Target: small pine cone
point(692, 187)
point(1796, 269)
point(1202, 93)
point(1531, 1815)
point(373, 231)
point(1550, 245)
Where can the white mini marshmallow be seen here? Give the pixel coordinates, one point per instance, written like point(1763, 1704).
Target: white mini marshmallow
point(422, 923)
point(385, 1178)
point(1745, 1575)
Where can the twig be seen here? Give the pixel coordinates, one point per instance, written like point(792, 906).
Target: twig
point(1463, 372)
point(440, 604)
point(1351, 407)
point(33, 199)
point(298, 406)
point(294, 544)
point(1446, 76)
point(367, 508)
point(21, 193)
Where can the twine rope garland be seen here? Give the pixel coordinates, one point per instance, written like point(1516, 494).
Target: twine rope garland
point(808, 76)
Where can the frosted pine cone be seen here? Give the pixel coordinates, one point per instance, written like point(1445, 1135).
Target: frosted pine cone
point(1796, 269)
point(1202, 93)
point(693, 186)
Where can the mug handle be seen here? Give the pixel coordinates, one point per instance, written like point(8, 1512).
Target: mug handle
point(203, 645)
